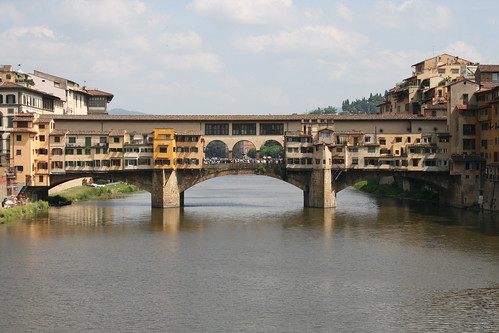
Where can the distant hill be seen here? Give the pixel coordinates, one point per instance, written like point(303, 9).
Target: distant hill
point(123, 112)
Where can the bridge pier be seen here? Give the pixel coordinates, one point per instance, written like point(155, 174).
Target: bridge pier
point(165, 190)
point(320, 192)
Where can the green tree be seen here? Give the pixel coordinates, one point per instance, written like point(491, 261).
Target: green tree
point(327, 110)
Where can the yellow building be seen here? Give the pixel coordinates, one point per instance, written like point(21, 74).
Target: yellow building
point(164, 153)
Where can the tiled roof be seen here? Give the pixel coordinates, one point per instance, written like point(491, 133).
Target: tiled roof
point(488, 68)
point(11, 85)
point(6, 68)
point(72, 132)
point(95, 92)
point(221, 118)
point(21, 130)
point(188, 133)
point(117, 132)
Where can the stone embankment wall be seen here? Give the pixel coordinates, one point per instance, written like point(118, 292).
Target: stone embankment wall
point(66, 185)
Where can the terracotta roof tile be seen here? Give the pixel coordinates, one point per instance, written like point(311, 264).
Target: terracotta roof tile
point(222, 118)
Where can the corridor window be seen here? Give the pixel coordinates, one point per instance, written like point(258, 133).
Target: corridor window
point(243, 129)
point(271, 129)
point(216, 129)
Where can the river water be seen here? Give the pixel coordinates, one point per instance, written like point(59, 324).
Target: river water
point(245, 256)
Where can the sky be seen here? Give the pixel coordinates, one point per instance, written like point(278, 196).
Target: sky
point(199, 57)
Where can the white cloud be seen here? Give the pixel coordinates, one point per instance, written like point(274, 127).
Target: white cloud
point(109, 14)
point(28, 32)
point(247, 12)
point(463, 50)
point(421, 14)
point(318, 40)
point(204, 62)
point(273, 95)
point(189, 41)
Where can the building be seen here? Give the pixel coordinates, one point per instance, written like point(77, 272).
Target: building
point(42, 93)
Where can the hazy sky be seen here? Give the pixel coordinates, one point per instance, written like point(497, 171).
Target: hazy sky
point(241, 56)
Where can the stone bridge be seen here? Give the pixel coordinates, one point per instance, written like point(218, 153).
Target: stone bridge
point(319, 186)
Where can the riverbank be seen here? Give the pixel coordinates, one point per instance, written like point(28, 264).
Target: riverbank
point(373, 187)
point(82, 193)
point(21, 212)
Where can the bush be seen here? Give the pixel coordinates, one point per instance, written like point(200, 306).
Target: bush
point(20, 212)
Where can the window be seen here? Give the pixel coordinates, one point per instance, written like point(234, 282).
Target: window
point(19, 168)
point(465, 99)
point(88, 151)
point(57, 151)
point(40, 179)
point(11, 99)
point(41, 126)
point(243, 129)
point(18, 152)
point(56, 165)
point(116, 139)
point(130, 162)
point(72, 139)
point(468, 144)
point(398, 139)
point(371, 149)
point(42, 138)
point(194, 149)
point(57, 139)
point(115, 162)
point(102, 139)
point(79, 151)
point(69, 151)
point(469, 129)
point(144, 161)
point(441, 71)
point(42, 165)
point(454, 71)
point(19, 137)
point(271, 129)
point(382, 141)
point(367, 139)
point(216, 129)
point(163, 149)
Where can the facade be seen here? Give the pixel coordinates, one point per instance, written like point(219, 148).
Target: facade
point(46, 145)
point(41, 93)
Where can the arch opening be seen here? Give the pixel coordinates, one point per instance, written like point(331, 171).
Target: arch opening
point(242, 148)
point(216, 149)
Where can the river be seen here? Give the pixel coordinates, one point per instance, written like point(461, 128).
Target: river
point(243, 255)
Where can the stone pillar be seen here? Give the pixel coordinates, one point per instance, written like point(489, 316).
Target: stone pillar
point(320, 193)
point(165, 191)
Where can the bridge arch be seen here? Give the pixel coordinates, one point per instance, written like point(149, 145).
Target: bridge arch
point(216, 149)
point(242, 148)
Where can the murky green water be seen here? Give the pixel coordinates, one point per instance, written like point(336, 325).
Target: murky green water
point(245, 256)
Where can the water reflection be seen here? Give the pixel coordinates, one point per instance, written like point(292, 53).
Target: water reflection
point(246, 256)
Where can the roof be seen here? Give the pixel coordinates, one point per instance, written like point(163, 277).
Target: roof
point(95, 92)
point(11, 85)
point(6, 68)
point(222, 118)
point(188, 133)
point(117, 132)
point(21, 130)
point(488, 68)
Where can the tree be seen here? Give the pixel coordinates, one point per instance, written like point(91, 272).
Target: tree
point(328, 110)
